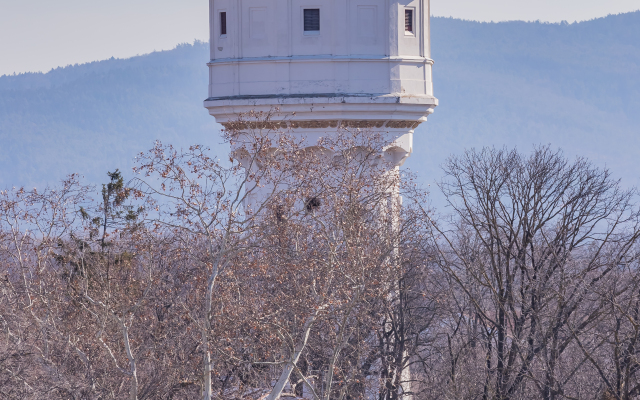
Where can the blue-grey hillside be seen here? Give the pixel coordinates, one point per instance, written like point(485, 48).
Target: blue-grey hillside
point(96, 117)
point(573, 86)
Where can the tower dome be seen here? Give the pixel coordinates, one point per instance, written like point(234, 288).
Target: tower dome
point(324, 63)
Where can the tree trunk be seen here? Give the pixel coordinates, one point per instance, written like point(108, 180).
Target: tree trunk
point(206, 384)
point(276, 392)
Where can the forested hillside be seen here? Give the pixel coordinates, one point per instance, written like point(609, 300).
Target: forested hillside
point(96, 117)
point(575, 86)
point(572, 86)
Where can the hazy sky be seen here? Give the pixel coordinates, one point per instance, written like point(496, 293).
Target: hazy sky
point(37, 35)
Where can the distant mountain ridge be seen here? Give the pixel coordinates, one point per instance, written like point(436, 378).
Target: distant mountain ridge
point(574, 86)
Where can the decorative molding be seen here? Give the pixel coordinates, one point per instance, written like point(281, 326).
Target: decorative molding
point(243, 125)
point(403, 124)
point(323, 58)
point(320, 124)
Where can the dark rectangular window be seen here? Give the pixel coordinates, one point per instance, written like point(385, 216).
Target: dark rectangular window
point(223, 23)
point(408, 20)
point(311, 20)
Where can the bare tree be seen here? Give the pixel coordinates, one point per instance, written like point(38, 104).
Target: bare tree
point(82, 318)
point(530, 241)
point(610, 347)
point(329, 256)
point(208, 203)
point(32, 224)
point(292, 270)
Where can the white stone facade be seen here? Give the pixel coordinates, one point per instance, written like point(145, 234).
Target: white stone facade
point(361, 64)
point(362, 47)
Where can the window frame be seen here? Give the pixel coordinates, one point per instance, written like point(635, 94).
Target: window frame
point(304, 26)
point(411, 32)
point(225, 25)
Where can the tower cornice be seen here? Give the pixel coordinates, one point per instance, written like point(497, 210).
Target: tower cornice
point(323, 58)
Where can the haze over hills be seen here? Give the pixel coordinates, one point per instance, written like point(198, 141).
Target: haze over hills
point(575, 86)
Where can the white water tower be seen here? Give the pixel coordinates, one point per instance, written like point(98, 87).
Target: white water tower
point(324, 63)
